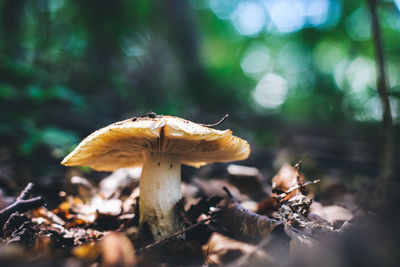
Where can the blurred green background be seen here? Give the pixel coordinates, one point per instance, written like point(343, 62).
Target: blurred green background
point(296, 76)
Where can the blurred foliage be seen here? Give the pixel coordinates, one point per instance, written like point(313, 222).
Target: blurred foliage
point(69, 67)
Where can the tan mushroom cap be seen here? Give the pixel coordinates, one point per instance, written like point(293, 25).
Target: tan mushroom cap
point(125, 144)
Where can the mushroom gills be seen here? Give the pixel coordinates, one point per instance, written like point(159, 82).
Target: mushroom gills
point(160, 191)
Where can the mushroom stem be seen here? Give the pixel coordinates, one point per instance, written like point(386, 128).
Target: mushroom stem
point(160, 190)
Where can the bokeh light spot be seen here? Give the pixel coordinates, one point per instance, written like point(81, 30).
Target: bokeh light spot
point(316, 11)
point(358, 24)
point(271, 91)
point(360, 74)
point(249, 18)
point(327, 55)
point(397, 3)
point(286, 15)
point(294, 58)
point(256, 59)
point(223, 8)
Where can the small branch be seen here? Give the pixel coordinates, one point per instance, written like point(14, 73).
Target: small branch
point(26, 192)
point(160, 242)
point(21, 206)
point(387, 123)
point(301, 186)
point(217, 123)
point(15, 221)
point(228, 192)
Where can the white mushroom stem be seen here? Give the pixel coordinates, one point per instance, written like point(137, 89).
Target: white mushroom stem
point(160, 190)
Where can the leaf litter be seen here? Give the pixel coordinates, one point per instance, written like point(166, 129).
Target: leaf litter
point(99, 224)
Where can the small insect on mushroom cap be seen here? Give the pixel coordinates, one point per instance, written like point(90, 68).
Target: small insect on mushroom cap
point(125, 144)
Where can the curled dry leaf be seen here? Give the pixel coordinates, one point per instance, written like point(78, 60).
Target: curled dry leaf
point(221, 250)
point(247, 179)
point(267, 206)
point(244, 224)
point(287, 179)
point(213, 188)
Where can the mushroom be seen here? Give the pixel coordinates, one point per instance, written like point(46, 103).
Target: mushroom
point(160, 144)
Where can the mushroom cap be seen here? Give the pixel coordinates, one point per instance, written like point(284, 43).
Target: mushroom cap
point(126, 143)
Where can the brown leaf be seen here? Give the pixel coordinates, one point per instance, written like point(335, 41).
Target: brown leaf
point(244, 224)
point(287, 178)
point(221, 250)
point(247, 179)
point(267, 205)
point(201, 207)
point(213, 188)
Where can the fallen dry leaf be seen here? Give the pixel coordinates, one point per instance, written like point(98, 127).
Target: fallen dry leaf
point(244, 224)
point(267, 206)
point(247, 179)
point(213, 187)
point(286, 179)
point(221, 250)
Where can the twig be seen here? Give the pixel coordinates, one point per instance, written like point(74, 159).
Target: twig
point(25, 193)
point(158, 243)
point(301, 186)
point(20, 206)
point(298, 186)
point(15, 221)
point(387, 123)
point(217, 123)
point(228, 192)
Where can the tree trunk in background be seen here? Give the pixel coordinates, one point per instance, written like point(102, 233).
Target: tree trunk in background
point(381, 80)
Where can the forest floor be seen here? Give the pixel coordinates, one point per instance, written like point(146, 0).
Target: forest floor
point(237, 219)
